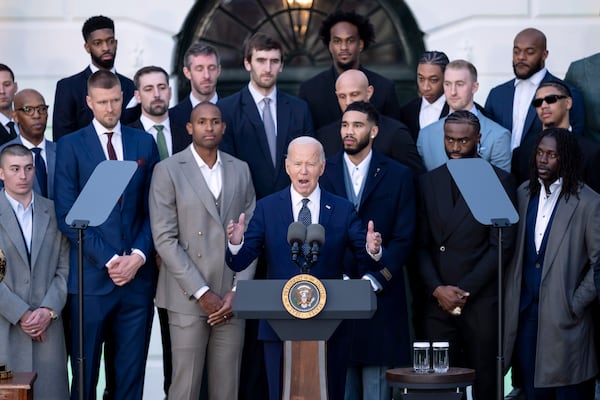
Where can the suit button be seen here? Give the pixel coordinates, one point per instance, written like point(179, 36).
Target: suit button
point(199, 233)
point(537, 265)
point(199, 255)
point(442, 248)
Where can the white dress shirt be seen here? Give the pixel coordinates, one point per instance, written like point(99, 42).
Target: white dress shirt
point(24, 217)
point(430, 112)
point(117, 139)
point(545, 208)
point(148, 125)
point(359, 172)
point(260, 104)
point(524, 92)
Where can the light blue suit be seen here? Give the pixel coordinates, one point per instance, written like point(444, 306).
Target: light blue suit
point(494, 144)
point(50, 162)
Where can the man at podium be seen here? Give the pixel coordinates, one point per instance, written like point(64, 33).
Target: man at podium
point(304, 201)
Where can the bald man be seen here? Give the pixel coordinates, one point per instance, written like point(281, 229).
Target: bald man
point(509, 104)
point(31, 115)
point(394, 139)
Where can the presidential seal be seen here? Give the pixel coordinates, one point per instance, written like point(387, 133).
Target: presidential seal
point(304, 296)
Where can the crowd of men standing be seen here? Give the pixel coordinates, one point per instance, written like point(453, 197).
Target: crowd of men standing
point(219, 180)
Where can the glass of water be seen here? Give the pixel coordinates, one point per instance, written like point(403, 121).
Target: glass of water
point(421, 357)
point(440, 357)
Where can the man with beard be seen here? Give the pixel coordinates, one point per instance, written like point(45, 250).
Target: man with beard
point(8, 88)
point(261, 122)
point(509, 104)
point(460, 86)
point(393, 139)
point(381, 190)
point(70, 108)
point(458, 261)
point(549, 286)
point(31, 115)
point(346, 34)
point(153, 93)
point(202, 67)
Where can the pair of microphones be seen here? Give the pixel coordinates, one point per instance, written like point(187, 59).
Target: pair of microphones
point(299, 234)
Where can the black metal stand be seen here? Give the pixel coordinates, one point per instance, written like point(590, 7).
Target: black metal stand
point(499, 224)
point(80, 225)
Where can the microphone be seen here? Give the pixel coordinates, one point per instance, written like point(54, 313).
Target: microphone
point(295, 237)
point(315, 237)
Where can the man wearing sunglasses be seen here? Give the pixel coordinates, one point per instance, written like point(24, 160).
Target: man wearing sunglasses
point(552, 102)
point(31, 115)
point(509, 104)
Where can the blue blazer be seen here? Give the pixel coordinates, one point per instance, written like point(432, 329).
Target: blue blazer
point(50, 163)
point(128, 225)
point(71, 111)
point(245, 136)
point(267, 235)
point(389, 200)
point(499, 107)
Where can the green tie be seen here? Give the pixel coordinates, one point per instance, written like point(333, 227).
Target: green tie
point(163, 152)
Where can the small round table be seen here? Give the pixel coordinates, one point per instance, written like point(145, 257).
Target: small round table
point(431, 386)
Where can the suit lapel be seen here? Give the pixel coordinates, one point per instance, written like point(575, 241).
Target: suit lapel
point(451, 215)
point(283, 120)
point(335, 174)
point(51, 162)
point(228, 184)
point(91, 144)
point(560, 225)
point(196, 180)
point(327, 207)
point(9, 222)
point(377, 170)
point(41, 218)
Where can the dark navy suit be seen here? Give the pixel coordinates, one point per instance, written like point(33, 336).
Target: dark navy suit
point(245, 137)
point(71, 111)
point(388, 199)
point(180, 114)
point(123, 313)
point(499, 107)
point(267, 235)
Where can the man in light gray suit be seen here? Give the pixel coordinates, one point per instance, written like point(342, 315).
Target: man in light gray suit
point(31, 115)
point(34, 289)
point(193, 195)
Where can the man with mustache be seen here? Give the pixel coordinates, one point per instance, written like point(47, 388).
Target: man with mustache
point(202, 67)
point(509, 104)
point(70, 108)
point(458, 260)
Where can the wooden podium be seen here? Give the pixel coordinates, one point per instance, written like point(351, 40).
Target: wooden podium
point(19, 387)
point(305, 350)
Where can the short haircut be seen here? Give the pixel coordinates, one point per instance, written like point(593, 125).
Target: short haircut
point(307, 140)
point(16, 149)
point(148, 70)
point(103, 79)
point(464, 117)
point(199, 49)
point(366, 32)
point(95, 23)
point(463, 64)
point(366, 108)
point(438, 58)
point(262, 41)
point(559, 86)
point(4, 67)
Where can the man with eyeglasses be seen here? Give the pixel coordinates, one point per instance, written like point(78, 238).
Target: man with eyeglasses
point(70, 108)
point(552, 103)
point(509, 104)
point(8, 88)
point(31, 115)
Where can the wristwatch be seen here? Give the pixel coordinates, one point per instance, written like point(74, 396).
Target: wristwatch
point(53, 314)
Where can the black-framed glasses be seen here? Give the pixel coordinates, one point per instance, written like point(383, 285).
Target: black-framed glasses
point(550, 99)
point(30, 110)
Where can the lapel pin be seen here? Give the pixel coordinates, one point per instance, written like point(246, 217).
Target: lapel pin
point(377, 171)
point(327, 206)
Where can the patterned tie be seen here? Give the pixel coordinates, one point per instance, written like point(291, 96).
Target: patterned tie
point(40, 171)
point(112, 155)
point(161, 142)
point(270, 130)
point(11, 129)
point(304, 217)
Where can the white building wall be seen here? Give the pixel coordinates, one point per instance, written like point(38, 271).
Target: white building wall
point(41, 39)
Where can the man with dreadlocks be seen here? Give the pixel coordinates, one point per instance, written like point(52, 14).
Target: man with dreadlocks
point(549, 286)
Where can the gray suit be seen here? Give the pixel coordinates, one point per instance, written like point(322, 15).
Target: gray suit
point(50, 163)
point(28, 286)
point(565, 344)
point(585, 75)
point(189, 233)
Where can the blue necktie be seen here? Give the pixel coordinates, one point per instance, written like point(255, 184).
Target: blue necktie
point(40, 171)
point(304, 218)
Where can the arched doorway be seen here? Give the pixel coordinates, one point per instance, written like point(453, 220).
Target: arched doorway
point(226, 24)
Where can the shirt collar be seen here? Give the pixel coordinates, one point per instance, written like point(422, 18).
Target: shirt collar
point(554, 186)
point(17, 205)
point(93, 68)
point(314, 197)
point(30, 145)
point(364, 164)
point(101, 130)
point(201, 162)
point(259, 96)
point(195, 101)
point(148, 123)
point(5, 120)
point(534, 79)
point(438, 104)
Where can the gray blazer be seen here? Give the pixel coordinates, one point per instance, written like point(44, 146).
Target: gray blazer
point(188, 231)
point(585, 75)
point(43, 283)
point(50, 163)
point(565, 346)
